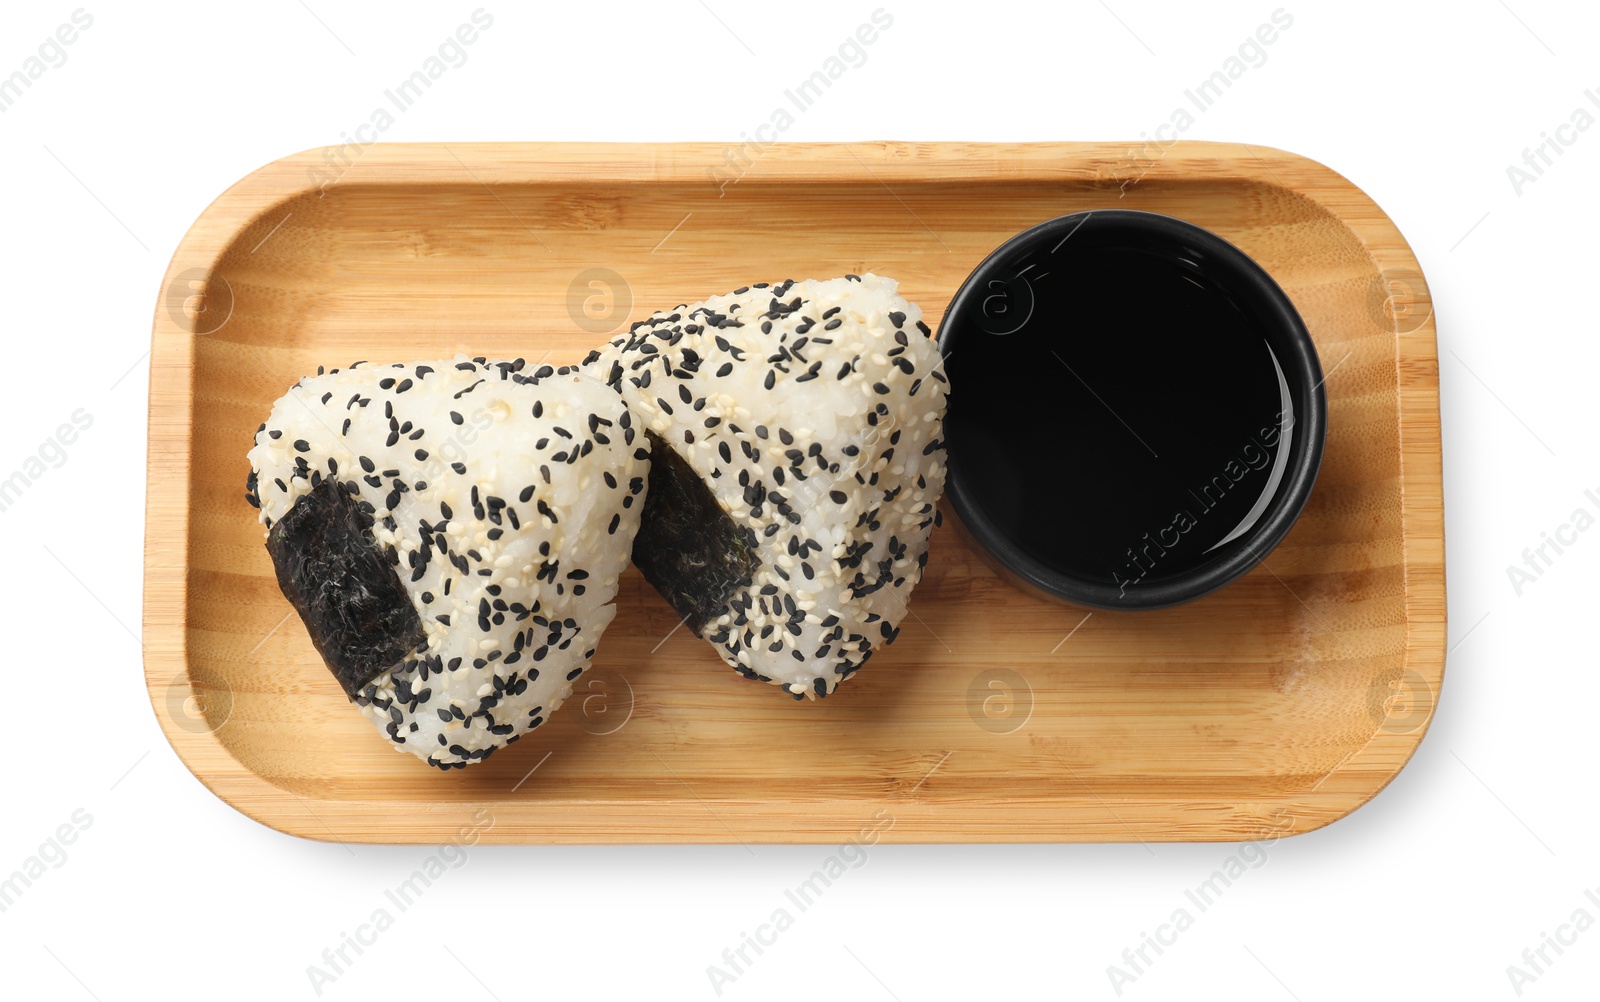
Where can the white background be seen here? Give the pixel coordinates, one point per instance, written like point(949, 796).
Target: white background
point(1482, 845)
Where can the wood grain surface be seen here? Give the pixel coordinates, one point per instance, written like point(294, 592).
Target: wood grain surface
point(1272, 707)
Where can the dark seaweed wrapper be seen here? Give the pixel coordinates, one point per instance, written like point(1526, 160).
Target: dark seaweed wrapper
point(354, 607)
point(688, 547)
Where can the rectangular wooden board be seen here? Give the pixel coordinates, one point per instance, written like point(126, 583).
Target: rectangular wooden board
point(1273, 707)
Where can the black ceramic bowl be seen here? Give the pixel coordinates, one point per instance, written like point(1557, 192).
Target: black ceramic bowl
point(1136, 410)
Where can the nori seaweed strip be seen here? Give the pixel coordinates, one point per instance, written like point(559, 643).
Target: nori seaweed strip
point(356, 610)
point(691, 550)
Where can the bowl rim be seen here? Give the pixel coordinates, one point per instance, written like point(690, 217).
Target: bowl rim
point(1253, 288)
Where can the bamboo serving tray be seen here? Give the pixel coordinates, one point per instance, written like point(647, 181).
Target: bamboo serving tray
point(1275, 706)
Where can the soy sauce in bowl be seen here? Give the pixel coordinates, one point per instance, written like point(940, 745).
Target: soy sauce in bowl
point(1136, 413)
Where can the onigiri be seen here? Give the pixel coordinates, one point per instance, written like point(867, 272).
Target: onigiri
point(797, 462)
point(451, 533)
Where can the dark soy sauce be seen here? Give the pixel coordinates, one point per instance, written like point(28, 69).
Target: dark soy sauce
point(1123, 420)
